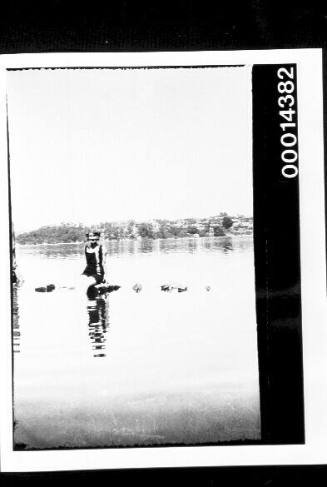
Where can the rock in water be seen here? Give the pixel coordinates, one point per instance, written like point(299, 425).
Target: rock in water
point(182, 289)
point(45, 289)
point(101, 289)
point(92, 292)
point(166, 287)
point(137, 287)
point(108, 288)
point(115, 287)
point(41, 289)
point(170, 287)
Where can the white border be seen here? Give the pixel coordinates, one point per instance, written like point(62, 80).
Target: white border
point(313, 268)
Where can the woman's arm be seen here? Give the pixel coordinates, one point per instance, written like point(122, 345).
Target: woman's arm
point(102, 255)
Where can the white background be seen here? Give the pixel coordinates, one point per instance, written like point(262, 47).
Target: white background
point(313, 267)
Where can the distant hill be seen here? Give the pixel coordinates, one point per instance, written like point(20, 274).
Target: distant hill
point(217, 225)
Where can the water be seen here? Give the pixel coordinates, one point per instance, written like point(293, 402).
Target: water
point(137, 369)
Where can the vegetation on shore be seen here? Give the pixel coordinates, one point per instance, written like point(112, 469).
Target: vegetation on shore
point(160, 228)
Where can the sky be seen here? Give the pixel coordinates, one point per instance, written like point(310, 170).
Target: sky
point(111, 145)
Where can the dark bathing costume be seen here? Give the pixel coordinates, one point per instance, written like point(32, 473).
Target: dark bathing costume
point(94, 262)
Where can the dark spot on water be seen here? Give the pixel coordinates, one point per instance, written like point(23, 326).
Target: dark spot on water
point(45, 289)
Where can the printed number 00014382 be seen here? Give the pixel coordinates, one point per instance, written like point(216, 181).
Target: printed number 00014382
point(288, 139)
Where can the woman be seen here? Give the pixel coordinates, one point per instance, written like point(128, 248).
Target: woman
point(94, 255)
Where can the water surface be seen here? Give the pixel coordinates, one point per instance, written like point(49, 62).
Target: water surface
point(137, 369)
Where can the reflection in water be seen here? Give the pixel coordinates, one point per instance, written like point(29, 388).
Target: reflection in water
point(15, 320)
point(98, 311)
point(146, 245)
point(120, 248)
point(55, 251)
point(192, 245)
point(228, 245)
point(131, 246)
point(172, 247)
point(224, 244)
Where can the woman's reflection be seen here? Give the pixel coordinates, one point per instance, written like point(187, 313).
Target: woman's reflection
point(98, 311)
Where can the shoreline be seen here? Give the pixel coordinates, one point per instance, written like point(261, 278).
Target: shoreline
point(229, 235)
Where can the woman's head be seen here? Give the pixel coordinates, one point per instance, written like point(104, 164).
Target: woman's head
point(93, 238)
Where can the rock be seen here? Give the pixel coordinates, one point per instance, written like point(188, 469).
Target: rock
point(100, 290)
point(109, 288)
point(166, 287)
point(137, 287)
point(45, 289)
point(182, 289)
point(41, 289)
point(170, 287)
point(115, 287)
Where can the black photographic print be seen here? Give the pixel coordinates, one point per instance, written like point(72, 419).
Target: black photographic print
point(155, 253)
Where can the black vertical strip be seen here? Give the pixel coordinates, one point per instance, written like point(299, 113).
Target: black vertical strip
point(277, 254)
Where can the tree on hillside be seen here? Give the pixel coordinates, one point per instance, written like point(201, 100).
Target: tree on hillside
point(192, 230)
point(227, 222)
point(145, 230)
point(218, 231)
